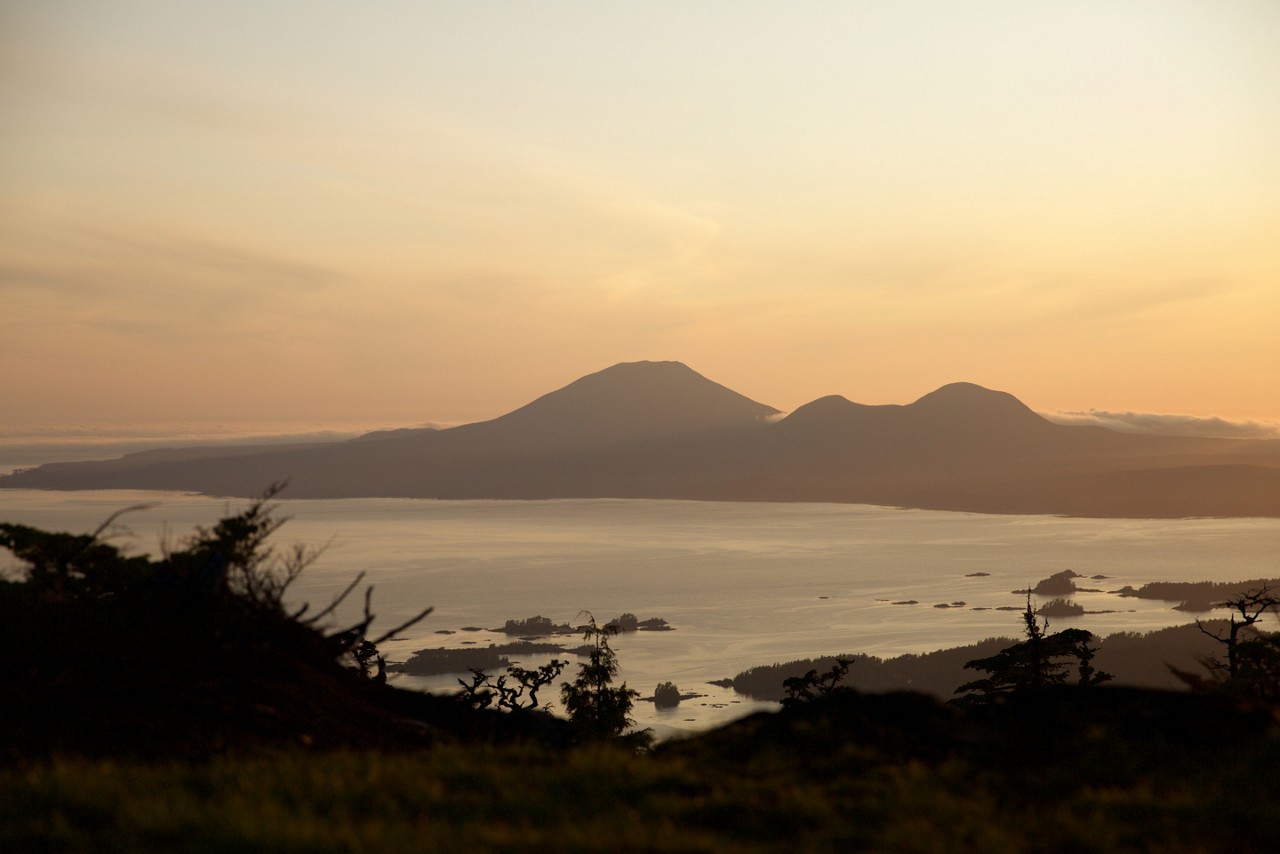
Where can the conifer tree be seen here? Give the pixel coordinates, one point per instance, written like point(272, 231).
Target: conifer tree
point(1037, 662)
point(596, 707)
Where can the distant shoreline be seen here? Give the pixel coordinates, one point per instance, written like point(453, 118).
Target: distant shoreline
point(764, 500)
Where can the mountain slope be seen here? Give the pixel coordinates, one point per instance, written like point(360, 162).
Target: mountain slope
point(627, 402)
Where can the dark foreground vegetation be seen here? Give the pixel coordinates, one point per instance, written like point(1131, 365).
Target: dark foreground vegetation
point(176, 704)
point(1122, 771)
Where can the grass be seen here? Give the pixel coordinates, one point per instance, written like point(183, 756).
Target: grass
point(802, 786)
point(454, 799)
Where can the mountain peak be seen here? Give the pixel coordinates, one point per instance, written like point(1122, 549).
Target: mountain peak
point(965, 394)
point(964, 403)
point(637, 400)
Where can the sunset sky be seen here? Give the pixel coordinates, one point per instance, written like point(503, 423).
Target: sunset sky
point(299, 214)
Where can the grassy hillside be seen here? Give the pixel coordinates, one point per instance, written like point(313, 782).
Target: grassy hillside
point(1131, 772)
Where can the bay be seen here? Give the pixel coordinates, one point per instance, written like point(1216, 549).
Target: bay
point(741, 583)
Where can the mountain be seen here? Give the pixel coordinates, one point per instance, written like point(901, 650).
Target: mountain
point(959, 416)
point(633, 401)
point(661, 430)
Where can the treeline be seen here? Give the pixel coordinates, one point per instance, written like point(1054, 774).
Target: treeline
point(1197, 595)
point(1136, 659)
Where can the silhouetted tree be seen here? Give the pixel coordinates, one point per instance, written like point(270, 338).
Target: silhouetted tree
point(1249, 607)
point(1258, 667)
point(1252, 665)
point(483, 690)
point(812, 685)
point(1037, 662)
point(597, 708)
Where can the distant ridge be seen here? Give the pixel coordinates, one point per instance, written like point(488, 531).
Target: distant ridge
point(661, 430)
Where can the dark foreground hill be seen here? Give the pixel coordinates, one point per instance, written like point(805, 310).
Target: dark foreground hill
point(660, 430)
point(195, 654)
point(1107, 770)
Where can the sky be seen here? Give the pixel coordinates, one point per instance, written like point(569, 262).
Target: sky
point(301, 216)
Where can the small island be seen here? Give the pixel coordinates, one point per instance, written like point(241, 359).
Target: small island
point(441, 661)
point(1060, 607)
point(537, 626)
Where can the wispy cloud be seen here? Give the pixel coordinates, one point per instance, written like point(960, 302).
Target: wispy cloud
point(138, 279)
point(1169, 425)
point(1112, 301)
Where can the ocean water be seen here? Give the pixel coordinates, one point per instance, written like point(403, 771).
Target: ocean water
point(741, 583)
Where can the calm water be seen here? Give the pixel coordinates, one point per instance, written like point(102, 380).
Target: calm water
point(742, 583)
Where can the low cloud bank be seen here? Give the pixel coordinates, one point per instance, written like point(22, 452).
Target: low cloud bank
point(1169, 425)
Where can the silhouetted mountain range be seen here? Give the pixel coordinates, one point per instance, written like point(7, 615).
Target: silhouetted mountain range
point(660, 430)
